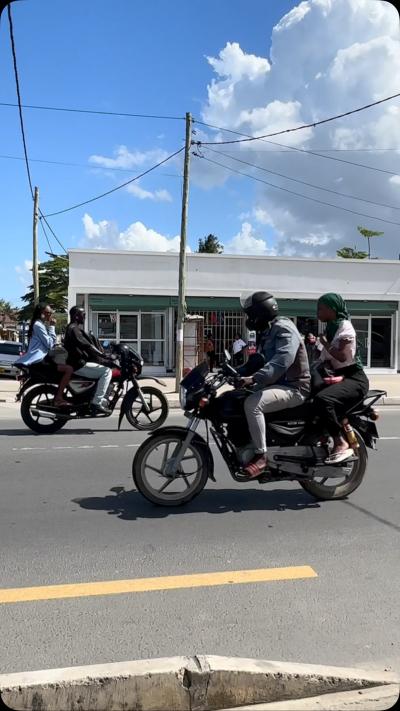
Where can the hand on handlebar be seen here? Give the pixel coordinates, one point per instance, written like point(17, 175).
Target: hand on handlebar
point(246, 382)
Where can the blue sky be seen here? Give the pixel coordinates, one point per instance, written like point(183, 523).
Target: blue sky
point(151, 57)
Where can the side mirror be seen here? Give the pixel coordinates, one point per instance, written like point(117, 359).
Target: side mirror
point(227, 355)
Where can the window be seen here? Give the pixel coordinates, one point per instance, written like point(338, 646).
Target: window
point(10, 349)
point(128, 327)
point(381, 342)
point(107, 326)
point(152, 334)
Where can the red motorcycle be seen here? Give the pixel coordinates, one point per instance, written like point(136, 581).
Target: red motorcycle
point(145, 408)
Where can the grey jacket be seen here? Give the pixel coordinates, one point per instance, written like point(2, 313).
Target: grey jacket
point(286, 361)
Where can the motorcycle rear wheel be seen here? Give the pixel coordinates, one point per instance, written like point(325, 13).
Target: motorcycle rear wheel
point(352, 478)
point(42, 394)
point(190, 480)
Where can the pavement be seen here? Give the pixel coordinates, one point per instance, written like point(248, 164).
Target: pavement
point(261, 572)
point(388, 383)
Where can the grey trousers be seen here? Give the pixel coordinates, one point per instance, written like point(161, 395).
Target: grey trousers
point(102, 374)
point(272, 399)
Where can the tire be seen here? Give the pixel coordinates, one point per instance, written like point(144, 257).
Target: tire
point(201, 454)
point(47, 392)
point(341, 491)
point(157, 400)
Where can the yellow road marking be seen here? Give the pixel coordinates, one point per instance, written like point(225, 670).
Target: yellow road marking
point(170, 582)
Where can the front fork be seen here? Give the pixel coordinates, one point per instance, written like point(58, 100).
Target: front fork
point(171, 466)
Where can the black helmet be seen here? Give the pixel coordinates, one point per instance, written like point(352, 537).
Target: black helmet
point(260, 308)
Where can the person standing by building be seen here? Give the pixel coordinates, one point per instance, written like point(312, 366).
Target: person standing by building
point(210, 351)
point(238, 350)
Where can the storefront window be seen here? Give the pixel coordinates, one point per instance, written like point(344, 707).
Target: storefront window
point(107, 326)
point(128, 327)
point(381, 342)
point(152, 352)
point(152, 326)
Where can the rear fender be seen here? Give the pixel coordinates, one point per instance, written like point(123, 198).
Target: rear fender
point(367, 430)
point(29, 383)
point(198, 439)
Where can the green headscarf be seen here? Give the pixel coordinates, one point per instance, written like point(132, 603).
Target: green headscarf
point(338, 304)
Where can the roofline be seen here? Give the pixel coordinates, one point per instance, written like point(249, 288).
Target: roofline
point(196, 255)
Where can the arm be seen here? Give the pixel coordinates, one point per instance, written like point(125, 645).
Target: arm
point(338, 352)
point(47, 337)
point(286, 350)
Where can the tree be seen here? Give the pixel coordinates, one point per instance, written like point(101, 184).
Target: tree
point(350, 253)
point(368, 234)
point(53, 287)
point(210, 245)
point(7, 309)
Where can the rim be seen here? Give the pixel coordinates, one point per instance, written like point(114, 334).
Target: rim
point(43, 398)
point(185, 480)
point(155, 405)
point(336, 476)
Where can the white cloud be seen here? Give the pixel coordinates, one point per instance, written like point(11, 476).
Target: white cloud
point(347, 52)
point(158, 195)
point(137, 237)
point(293, 17)
point(247, 242)
point(24, 272)
point(124, 158)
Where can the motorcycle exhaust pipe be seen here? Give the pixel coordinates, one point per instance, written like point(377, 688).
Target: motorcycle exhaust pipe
point(42, 413)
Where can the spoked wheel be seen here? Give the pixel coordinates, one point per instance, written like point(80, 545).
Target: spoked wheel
point(164, 487)
point(31, 404)
point(337, 482)
point(157, 413)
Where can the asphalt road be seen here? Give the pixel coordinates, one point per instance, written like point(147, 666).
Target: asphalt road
point(69, 514)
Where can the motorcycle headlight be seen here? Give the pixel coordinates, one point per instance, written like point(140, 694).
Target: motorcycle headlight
point(182, 397)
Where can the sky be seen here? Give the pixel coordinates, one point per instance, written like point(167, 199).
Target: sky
point(251, 66)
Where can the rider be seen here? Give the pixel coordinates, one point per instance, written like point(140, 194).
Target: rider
point(283, 382)
point(86, 359)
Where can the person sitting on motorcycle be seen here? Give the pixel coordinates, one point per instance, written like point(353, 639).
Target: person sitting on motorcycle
point(86, 359)
point(349, 382)
point(41, 339)
point(283, 382)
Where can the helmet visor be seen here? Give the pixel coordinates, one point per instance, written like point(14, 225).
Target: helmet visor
point(246, 299)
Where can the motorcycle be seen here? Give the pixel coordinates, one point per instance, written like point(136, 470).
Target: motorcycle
point(174, 464)
point(146, 408)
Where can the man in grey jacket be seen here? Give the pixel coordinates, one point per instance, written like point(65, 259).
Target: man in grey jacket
point(284, 380)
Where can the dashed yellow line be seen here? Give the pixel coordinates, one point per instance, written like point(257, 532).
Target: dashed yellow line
point(170, 582)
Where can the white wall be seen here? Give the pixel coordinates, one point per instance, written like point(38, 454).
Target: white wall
point(100, 272)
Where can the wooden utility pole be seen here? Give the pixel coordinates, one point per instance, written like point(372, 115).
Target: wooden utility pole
point(35, 266)
point(182, 257)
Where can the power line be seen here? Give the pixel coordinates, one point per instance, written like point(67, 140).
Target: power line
point(96, 112)
point(302, 182)
point(43, 218)
point(81, 165)
point(21, 120)
point(301, 195)
point(299, 128)
point(118, 187)
point(45, 234)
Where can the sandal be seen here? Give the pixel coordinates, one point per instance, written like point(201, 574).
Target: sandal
point(338, 457)
point(256, 467)
point(61, 403)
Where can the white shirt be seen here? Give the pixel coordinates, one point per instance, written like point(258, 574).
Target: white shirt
point(345, 331)
point(238, 345)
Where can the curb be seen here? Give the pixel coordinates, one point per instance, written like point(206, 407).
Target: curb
point(199, 683)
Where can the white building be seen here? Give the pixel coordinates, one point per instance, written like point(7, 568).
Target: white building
point(132, 297)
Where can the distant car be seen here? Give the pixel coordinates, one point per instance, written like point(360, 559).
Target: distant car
point(10, 351)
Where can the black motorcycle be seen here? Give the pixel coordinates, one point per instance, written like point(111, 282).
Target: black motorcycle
point(174, 464)
point(146, 408)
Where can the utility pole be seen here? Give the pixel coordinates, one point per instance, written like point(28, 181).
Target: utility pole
point(182, 257)
point(35, 266)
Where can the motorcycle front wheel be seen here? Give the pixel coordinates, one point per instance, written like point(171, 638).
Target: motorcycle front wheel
point(30, 410)
point(157, 413)
point(328, 487)
point(185, 483)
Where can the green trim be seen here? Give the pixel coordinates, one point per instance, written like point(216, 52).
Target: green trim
point(288, 307)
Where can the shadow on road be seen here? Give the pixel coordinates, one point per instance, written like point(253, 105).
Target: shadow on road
point(27, 433)
point(130, 505)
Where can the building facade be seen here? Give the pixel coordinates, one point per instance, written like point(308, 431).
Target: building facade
point(132, 297)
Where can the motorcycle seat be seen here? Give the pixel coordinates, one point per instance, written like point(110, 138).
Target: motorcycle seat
point(301, 412)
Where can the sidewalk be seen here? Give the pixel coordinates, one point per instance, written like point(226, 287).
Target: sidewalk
point(389, 383)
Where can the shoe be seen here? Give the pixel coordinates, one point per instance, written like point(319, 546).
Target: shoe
point(256, 467)
point(338, 457)
point(100, 410)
